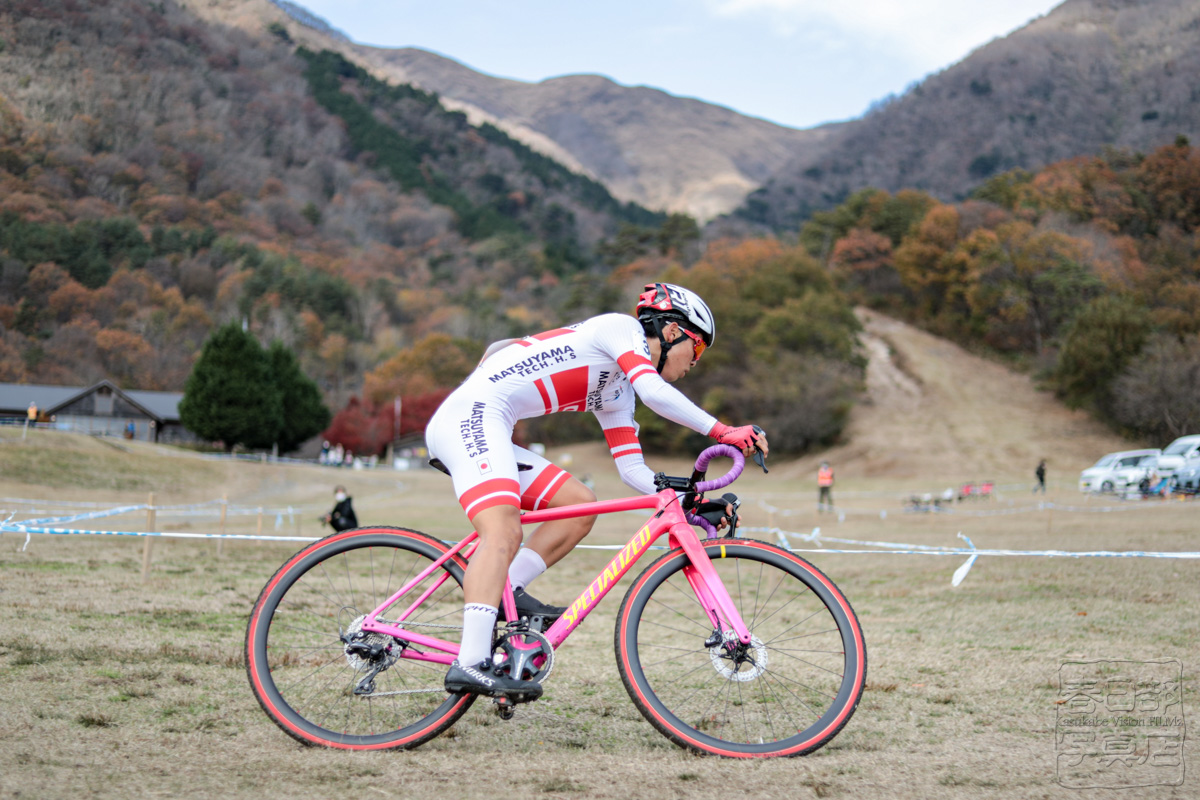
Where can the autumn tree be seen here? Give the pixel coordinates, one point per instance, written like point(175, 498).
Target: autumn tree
point(1022, 284)
point(1106, 335)
point(437, 361)
point(1158, 394)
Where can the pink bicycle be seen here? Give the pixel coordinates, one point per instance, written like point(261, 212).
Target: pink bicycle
point(727, 646)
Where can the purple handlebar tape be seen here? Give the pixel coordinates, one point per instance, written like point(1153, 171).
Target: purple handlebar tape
point(701, 522)
point(739, 463)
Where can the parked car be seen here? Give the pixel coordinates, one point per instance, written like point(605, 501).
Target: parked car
point(1125, 478)
point(1115, 471)
point(1186, 479)
point(1178, 453)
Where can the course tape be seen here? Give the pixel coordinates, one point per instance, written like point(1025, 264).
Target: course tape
point(783, 538)
point(996, 512)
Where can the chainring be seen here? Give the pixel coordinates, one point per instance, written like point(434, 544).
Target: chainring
point(524, 654)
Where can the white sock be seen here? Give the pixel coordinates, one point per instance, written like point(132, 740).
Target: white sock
point(524, 568)
point(479, 620)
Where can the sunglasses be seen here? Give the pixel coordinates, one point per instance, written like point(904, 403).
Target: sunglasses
point(698, 345)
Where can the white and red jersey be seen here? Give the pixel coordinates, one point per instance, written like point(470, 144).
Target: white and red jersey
point(596, 365)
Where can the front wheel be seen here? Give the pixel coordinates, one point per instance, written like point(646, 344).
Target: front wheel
point(314, 684)
point(787, 693)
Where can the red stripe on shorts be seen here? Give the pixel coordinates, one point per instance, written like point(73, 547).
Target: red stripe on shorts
point(540, 483)
point(489, 487)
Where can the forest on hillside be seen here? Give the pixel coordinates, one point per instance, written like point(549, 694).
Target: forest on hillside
point(1086, 272)
point(161, 177)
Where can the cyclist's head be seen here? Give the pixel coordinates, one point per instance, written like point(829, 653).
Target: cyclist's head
point(663, 303)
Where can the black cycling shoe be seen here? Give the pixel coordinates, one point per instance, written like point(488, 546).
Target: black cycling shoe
point(484, 678)
point(530, 606)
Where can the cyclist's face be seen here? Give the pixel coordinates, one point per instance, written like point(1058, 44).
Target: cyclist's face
point(680, 357)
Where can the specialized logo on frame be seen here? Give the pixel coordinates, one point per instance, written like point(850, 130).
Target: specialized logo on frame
point(1119, 725)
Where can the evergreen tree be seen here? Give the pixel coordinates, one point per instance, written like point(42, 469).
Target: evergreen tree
point(230, 395)
point(304, 413)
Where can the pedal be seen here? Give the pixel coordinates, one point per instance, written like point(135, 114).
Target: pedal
point(505, 708)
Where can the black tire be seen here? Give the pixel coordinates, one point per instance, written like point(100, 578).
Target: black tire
point(810, 659)
point(1106, 487)
point(298, 666)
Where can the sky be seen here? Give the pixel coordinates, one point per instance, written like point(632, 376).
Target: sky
point(794, 62)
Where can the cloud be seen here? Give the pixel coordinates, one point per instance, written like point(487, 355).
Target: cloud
point(932, 33)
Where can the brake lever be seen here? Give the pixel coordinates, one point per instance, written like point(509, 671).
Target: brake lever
point(759, 458)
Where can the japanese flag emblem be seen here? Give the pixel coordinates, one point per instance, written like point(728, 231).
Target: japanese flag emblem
point(485, 466)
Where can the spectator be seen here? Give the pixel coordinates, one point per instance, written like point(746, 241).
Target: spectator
point(824, 487)
point(342, 517)
point(1040, 472)
point(324, 457)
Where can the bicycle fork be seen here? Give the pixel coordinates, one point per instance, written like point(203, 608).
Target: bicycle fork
point(710, 589)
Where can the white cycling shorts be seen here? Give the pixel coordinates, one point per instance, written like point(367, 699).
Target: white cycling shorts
point(475, 444)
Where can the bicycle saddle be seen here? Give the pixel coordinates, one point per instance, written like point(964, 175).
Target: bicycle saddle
point(437, 464)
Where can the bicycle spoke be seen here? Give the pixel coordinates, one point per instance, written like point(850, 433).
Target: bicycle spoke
point(301, 665)
point(705, 625)
point(766, 697)
point(815, 666)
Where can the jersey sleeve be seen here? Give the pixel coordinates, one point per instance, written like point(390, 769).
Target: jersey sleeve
point(621, 433)
point(625, 342)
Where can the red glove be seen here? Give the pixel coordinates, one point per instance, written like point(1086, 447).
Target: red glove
point(743, 438)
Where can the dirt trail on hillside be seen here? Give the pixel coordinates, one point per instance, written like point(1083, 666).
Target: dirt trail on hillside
point(933, 410)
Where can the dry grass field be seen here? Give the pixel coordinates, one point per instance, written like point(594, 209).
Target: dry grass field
point(114, 687)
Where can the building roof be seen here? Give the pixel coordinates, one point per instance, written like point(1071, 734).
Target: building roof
point(164, 405)
point(16, 397)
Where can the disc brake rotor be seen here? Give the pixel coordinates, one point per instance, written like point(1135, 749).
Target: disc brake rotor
point(744, 663)
point(372, 640)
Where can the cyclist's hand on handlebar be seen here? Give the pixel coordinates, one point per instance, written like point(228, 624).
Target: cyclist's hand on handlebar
point(745, 438)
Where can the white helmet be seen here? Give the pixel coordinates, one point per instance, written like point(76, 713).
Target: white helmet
point(671, 303)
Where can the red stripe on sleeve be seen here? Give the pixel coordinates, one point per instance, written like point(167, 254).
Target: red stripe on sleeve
point(619, 436)
point(628, 361)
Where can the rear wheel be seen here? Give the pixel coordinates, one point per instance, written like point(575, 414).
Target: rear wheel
point(315, 685)
point(787, 693)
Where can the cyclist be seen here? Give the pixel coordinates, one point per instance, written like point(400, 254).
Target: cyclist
point(596, 365)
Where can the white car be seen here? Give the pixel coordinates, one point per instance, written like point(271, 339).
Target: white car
point(1178, 453)
point(1115, 471)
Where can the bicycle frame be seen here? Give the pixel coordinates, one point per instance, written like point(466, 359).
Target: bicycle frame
point(669, 519)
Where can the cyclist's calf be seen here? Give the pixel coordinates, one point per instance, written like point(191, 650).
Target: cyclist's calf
point(555, 539)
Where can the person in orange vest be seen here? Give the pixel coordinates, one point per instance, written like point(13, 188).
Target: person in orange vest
point(825, 487)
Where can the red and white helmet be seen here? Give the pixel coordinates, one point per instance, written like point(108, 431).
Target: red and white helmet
point(668, 302)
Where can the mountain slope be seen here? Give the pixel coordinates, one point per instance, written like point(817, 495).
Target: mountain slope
point(1089, 75)
point(923, 419)
point(646, 146)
